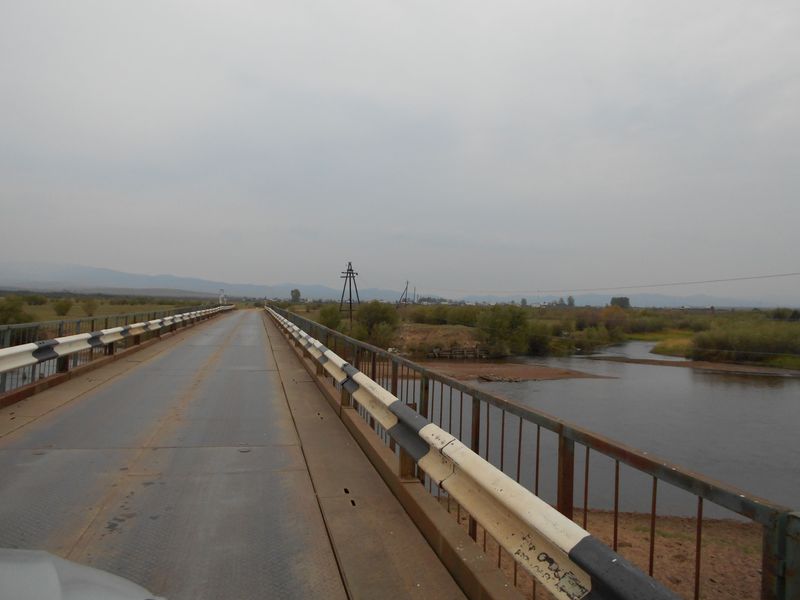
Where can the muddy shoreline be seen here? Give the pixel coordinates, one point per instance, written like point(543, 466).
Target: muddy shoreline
point(705, 366)
point(470, 370)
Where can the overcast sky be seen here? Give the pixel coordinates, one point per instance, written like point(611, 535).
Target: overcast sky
point(462, 145)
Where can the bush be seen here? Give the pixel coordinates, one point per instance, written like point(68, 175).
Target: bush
point(62, 307)
point(382, 335)
point(750, 342)
point(587, 318)
point(35, 299)
point(11, 311)
point(373, 313)
point(330, 316)
point(785, 314)
point(591, 338)
point(463, 315)
point(538, 339)
point(89, 306)
point(503, 329)
point(645, 324)
point(614, 317)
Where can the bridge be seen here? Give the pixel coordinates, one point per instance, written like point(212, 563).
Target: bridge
point(224, 453)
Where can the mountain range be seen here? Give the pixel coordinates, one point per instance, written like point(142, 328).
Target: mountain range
point(82, 279)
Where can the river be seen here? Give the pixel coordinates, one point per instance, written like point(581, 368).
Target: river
point(742, 430)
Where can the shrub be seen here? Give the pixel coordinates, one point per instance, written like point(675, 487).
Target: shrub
point(751, 342)
point(503, 329)
point(586, 318)
point(614, 317)
point(462, 315)
point(373, 313)
point(11, 311)
point(330, 316)
point(35, 299)
point(785, 314)
point(591, 338)
point(62, 306)
point(381, 335)
point(89, 306)
point(645, 324)
point(538, 339)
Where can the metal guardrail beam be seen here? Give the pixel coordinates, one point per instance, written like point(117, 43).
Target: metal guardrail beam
point(25, 355)
point(565, 558)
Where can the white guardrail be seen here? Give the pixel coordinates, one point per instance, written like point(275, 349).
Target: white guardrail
point(565, 558)
point(33, 353)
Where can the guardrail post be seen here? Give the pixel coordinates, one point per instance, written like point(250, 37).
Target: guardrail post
point(345, 395)
point(780, 558)
point(475, 446)
point(792, 562)
point(406, 465)
point(566, 476)
point(110, 349)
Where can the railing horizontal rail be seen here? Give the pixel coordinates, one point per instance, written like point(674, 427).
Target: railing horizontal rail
point(15, 334)
point(430, 391)
point(758, 509)
point(568, 561)
point(39, 359)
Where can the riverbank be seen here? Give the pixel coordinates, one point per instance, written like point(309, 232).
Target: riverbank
point(730, 558)
point(706, 366)
point(502, 371)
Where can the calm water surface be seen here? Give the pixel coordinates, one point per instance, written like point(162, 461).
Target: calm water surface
point(743, 430)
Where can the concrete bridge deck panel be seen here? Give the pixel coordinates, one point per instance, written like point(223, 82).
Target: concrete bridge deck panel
point(184, 469)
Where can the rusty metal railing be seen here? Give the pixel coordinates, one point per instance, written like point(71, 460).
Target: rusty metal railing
point(29, 362)
point(555, 459)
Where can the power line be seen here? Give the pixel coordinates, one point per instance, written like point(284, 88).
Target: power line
point(622, 287)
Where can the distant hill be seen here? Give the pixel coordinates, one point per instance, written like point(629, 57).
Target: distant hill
point(78, 278)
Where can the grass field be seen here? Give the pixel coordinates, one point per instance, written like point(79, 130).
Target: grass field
point(46, 312)
point(35, 307)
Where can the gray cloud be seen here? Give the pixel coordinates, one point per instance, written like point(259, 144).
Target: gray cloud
point(462, 145)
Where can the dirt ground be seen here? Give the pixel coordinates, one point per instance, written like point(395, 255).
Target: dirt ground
point(503, 371)
point(730, 561)
point(419, 338)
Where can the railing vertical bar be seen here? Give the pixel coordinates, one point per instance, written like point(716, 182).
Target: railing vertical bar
point(586, 489)
point(652, 527)
point(519, 462)
point(698, 547)
point(502, 438)
point(616, 503)
point(538, 448)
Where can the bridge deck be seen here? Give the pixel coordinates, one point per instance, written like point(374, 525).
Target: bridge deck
point(208, 466)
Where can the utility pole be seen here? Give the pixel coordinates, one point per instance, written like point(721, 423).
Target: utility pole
point(403, 296)
point(349, 277)
point(222, 298)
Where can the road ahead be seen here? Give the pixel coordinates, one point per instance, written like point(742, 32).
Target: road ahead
point(195, 469)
